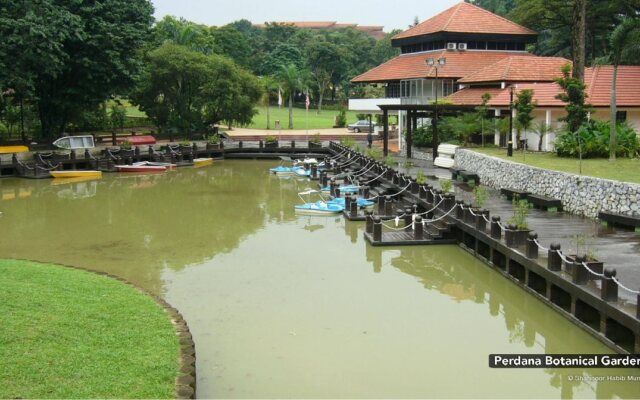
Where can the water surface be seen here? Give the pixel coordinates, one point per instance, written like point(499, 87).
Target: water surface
point(292, 306)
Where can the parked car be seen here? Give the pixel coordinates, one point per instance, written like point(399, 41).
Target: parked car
point(361, 126)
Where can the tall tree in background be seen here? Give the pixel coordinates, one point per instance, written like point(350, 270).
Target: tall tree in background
point(292, 79)
point(579, 25)
point(625, 46)
point(524, 106)
point(324, 59)
point(575, 97)
point(270, 85)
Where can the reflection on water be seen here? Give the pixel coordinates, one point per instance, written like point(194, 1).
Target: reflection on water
point(299, 306)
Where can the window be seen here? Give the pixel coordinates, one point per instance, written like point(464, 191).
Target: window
point(621, 116)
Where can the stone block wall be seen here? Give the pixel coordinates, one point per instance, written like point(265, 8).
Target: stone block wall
point(581, 195)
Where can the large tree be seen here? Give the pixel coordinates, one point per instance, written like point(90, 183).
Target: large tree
point(292, 79)
point(524, 106)
point(625, 47)
point(70, 55)
point(324, 60)
point(185, 91)
point(575, 97)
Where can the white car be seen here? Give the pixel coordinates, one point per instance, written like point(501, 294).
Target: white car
point(361, 126)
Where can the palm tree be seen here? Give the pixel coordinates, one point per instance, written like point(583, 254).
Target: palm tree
point(292, 79)
point(270, 85)
point(542, 129)
point(625, 44)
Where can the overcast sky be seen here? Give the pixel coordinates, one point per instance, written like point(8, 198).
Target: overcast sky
point(389, 13)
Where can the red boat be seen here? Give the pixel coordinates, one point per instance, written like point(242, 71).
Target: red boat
point(136, 140)
point(140, 168)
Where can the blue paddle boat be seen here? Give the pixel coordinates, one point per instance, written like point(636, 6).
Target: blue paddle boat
point(320, 207)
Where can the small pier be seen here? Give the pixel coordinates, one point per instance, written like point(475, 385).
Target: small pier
point(624, 221)
point(587, 293)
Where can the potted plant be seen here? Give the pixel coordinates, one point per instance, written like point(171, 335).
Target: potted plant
point(480, 195)
point(421, 178)
point(126, 145)
point(390, 161)
point(518, 227)
point(583, 248)
point(315, 142)
point(446, 185)
point(214, 142)
point(270, 141)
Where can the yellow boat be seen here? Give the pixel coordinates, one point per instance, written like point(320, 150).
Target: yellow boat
point(201, 162)
point(64, 181)
point(13, 149)
point(76, 174)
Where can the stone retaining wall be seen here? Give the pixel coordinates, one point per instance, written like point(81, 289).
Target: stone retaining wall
point(582, 195)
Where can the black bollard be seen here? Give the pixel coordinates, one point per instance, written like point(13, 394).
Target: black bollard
point(449, 202)
point(381, 205)
point(496, 231)
point(408, 217)
point(293, 144)
point(240, 144)
point(609, 290)
point(324, 179)
point(347, 202)
point(481, 222)
point(314, 171)
point(422, 192)
point(337, 192)
point(353, 207)
point(554, 262)
point(260, 144)
point(365, 192)
point(460, 209)
point(414, 186)
point(430, 195)
point(532, 247)
point(377, 229)
point(579, 274)
point(510, 236)
point(368, 217)
point(388, 206)
point(418, 228)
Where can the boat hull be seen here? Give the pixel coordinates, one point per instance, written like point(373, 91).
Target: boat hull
point(75, 174)
point(201, 162)
point(140, 168)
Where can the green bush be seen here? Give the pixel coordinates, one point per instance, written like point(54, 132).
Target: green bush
point(341, 119)
point(594, 139)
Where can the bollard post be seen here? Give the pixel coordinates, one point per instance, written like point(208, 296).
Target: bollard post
point(408, 217)
point(532, 247)
point(377, 229)
point(579, 274)
point(260, 144)
point(240, 144)
point(554, 262)
point(368, 218)
point(496, 232)
point(314, 171)
point(347, 202)
point(481, 222)
point(609, 290)
point(293, 144)
point(418, 229)
point(365, 192)
point(449, 202)
point(430, 195)
point(388, 206)
point(324, 179)
point(414, 186)
point(396, 178)
point(510, 236)
point(460, 210)
point(381, 205)
point(337, 192)
point(353, 207)
point(422, 193)
point(332, 187)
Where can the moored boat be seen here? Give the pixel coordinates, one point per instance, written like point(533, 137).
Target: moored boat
point(76, 174)
point(320, 207)
point(140, 168)
point(13, 149)
point(201, 162)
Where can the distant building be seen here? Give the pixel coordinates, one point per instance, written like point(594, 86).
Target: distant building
point(486, 53)
point(374, 31)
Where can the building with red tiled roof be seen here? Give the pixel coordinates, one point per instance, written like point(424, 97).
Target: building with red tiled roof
point(374, 31)
point(467, 51)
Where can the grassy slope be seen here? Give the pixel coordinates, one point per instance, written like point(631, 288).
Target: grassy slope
point(623, 169)
point(72, 334)
point(315, 121)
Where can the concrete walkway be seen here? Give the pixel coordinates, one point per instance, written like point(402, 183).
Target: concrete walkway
point(292, 134)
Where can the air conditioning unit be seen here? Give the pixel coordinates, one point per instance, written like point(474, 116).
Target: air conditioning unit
point(462, 46)
point(451, 46)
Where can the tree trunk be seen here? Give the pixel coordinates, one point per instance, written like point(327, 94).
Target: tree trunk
point(613, 135)
point(291, 110)
point(578, 38)
point(320, 97)
point(268, 115)
point(22, 135)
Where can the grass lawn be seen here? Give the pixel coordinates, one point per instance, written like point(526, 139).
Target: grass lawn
point(623, 169)
point(132, 111)
point(68, 333)
point(322, 121)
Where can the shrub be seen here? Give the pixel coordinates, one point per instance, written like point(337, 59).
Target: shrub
point(341, 118)
point(446, 185)
point(374, 153)
point(315, 138)
point(480, 194)
point(347, 141)
point(594, 139)
point(520, 213)
point(421, 178)
point(270, 139)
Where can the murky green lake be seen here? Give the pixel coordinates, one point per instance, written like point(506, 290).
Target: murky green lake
point(301, 307)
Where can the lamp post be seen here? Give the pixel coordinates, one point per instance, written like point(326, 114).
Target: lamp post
point(510, 134)
point(432, 62)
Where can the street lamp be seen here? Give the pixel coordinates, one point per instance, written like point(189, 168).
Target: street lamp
point(510, 134)
point(435, 63)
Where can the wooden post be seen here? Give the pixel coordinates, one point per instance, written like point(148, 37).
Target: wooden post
point(368, 217)
point(293, 144)
point(385, 133)
point(353, 207)
point(532, 247)
point(609, 291)
point(460, 210)
point(509, 236)
point(422, 192)
point(430, 199)
point(496, 231)
point(554, 262)
point(377, 229)
point(409, 132)
point(388, 206)
point(332, 187)
point(408, 217)
point(481, 222)
point(381, 204)
point(418, 228)
point(579, 272)
point(347, 202)
point(414, 186)
point(314, 171)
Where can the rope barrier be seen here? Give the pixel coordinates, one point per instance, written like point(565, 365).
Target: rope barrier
point(624, 287)
point(433, 209)
point(584, 264)
point(376, 178)
point(442, 216)
point(539, 245)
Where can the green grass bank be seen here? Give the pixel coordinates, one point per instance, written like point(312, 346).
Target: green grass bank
point(623, 169)
point(69, 333)
point(301, 120)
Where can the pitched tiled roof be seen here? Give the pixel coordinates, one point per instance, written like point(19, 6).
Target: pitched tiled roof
point(519, 69)
point(598, 80)
point(466, 18)
point(413, 65)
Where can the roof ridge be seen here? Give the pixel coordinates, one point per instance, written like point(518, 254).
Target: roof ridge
point(496, 15)
point(505, 74)
point(453, 14)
